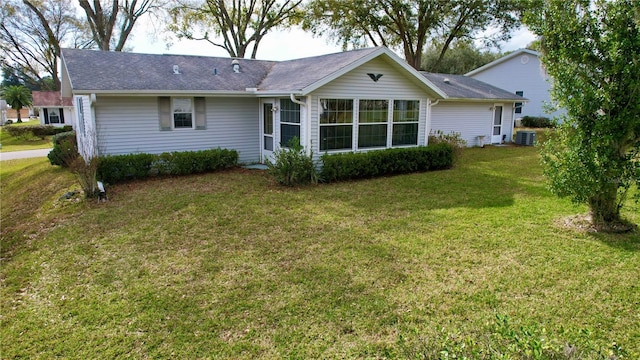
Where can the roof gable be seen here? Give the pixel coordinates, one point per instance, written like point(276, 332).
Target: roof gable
point(502, 60)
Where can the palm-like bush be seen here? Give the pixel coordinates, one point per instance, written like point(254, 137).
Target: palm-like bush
point(17, 96)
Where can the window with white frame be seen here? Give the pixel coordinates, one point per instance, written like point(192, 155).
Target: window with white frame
point(182, 109)
point(289, 121)
point(372, 123)
point(406, 115)
point(518, 105)
point(336, 124)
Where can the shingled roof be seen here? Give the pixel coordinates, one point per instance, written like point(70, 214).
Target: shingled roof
point(104, 71)
point(50, 99)
point(463, 87)
point(94, 70)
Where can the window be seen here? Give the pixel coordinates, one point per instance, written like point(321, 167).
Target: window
point(336, 124)
point(518, 105)
point(53, 116)
point(289, 121)
point(372, 123)
point(406, 114)
point(182, 113)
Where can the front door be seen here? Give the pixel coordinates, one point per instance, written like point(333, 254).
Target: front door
point(496, 134)
point(267, 130)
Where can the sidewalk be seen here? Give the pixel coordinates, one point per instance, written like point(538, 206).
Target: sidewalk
point(24, 154)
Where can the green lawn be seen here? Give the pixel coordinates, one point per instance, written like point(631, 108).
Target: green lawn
point(10, 143)
point(229, 265)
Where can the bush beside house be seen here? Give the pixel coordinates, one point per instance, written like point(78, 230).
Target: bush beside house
point(118, 168)
point(349, 166)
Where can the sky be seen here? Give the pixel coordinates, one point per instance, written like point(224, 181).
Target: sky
point(278, 45)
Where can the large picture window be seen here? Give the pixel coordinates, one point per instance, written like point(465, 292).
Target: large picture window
point(182, 113)
point(336, 124)
point(289, 121)
point(406, 114)
point(372, 123)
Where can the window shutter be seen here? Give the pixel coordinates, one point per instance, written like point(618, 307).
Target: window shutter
point(201, 116)
point(164, 111)
point(46, 116)
point(61, 110)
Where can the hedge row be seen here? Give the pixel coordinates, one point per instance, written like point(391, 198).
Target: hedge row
point(347, 166)
point(36, 130)
point(119, 168)
point(537, 122)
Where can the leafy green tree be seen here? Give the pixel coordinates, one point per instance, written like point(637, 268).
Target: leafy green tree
point(461, 58)
point(591, 49)
point(410, 24)
point(234, 26)
point(17, 96)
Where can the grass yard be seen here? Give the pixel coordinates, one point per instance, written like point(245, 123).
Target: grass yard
point(10, 143)
point(471, 261)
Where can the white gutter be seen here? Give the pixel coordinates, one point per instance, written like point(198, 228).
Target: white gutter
point(293, 98)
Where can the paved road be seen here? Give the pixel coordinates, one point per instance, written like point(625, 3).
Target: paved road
point(24, 154)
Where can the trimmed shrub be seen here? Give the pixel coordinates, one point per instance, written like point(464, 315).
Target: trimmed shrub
point(537, 122)
point(119, 168)
point(348, 166)
point(453, 138)
point(293, 166)
point(40, 131)
point(65, 149)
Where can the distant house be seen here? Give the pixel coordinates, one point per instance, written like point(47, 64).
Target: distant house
point(357, 100)
point(53, 108)
point(522, 73)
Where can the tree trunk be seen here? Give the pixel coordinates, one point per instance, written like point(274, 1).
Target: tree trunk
point(604, 206)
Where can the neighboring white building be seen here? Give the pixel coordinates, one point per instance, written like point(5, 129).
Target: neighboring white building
point(521, 73)
point(53, 108)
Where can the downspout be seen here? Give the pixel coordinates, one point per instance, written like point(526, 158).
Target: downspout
point(307, 125)
point(428, 127)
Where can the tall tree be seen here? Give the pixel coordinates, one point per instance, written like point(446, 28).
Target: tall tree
point(461, 58)
point(31, 32)
point(17, 96)
point(111, 22)
point(234, 26)
point(591, 49)
point(409, 24)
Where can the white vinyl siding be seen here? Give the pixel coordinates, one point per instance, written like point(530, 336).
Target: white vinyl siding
point(130, 125)
point(357, 85)
point(517, 74)
point(470, 120)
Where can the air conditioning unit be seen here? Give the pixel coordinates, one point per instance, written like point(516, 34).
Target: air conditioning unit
point(526, 138)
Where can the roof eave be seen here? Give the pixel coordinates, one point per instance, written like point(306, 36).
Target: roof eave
point(501, 60)
point(163, 92)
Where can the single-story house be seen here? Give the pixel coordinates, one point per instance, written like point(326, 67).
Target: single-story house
point(521, 72)
point(469, 106)
point(53, 108)
point(356, 100)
